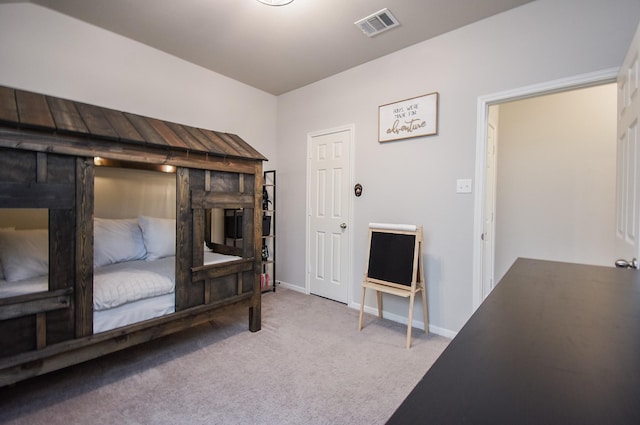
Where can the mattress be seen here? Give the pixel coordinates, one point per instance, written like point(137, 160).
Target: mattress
point(124, 293)
point(27, 286)
point(133, 312)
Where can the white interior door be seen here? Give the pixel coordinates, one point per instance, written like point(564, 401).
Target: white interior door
point(329, 213)
point(488, 249)
point(628, 160)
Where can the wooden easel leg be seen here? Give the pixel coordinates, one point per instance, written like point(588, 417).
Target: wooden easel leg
point(364, 290)
point(379, 297)
point(425, 313)
point(423, 287)
point(410, 323)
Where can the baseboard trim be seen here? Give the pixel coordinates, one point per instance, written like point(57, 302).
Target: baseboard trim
point(293, 287)
point(419, 324)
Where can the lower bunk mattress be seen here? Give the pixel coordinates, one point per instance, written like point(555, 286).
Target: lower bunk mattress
point(123, 293)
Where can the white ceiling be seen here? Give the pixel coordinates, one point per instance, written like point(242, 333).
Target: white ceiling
point(276, 49)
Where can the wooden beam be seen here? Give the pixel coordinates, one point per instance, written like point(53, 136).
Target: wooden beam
point(72, 145)
point(199, 135)
point(255, 311)
point(122, 126)
point(182, 131)
point(85, 174)
point(41, 167)
point(183, 238)
point(36, 195)
point(33, 110)
point(226, 249)
point(217, 144)
point(198, 236)
point(146, 130)
point(55, 300)
point(61, 324)
point(34, 296)
point(66, 116)
point(41, 331)
point(203, 199)
point(97, 123)
point(167, 134)
point(211, 271)
point(230, 141)
point(8, 108)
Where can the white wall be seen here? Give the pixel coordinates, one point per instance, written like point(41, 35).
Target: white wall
point(47, 52)
point(414, 180)
point(129, 193)
point(557, 178)
point(24, 218)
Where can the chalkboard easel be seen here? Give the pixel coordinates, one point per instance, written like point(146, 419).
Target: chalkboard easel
point(394, 266)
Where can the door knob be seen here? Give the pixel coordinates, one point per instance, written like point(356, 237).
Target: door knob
point(624, 264)
point(343, 226)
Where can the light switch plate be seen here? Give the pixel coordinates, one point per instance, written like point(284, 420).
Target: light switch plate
point(463, 186)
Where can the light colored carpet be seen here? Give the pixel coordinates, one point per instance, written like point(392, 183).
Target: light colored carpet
point(308, 365)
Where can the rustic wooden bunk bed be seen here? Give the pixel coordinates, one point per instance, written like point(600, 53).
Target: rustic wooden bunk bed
point(48, 150)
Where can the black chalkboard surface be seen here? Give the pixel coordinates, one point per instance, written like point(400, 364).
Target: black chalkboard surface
point(391, 257)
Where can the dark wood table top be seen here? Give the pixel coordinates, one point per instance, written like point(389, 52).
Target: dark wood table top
point(554, 343)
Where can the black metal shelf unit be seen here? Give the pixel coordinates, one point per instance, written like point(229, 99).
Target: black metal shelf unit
point(268, 277)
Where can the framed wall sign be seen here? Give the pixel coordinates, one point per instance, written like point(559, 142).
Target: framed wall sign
point(415, 117)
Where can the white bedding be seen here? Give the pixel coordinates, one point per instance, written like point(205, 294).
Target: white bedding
point(134, 312)
point(21, 287)
point(124, 293)
point(123, 283)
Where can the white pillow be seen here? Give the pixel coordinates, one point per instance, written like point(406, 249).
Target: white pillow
point(4, 229)
point(159, 236)
point(116, 241)
point(24, 254)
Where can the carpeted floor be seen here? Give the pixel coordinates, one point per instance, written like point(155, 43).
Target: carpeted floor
point(308, 365)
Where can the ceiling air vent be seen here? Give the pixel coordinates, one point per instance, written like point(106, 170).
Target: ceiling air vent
point(378, 22)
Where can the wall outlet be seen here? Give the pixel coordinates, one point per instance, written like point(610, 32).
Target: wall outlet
point(463, 186)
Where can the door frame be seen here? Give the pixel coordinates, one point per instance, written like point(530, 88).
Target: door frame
point(489, 252)
point(571, 83)
point(350, 180)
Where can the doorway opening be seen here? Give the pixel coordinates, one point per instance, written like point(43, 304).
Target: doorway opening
point(486, 271)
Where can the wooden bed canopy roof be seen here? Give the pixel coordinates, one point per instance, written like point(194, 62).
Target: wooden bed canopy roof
point(113, 134)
